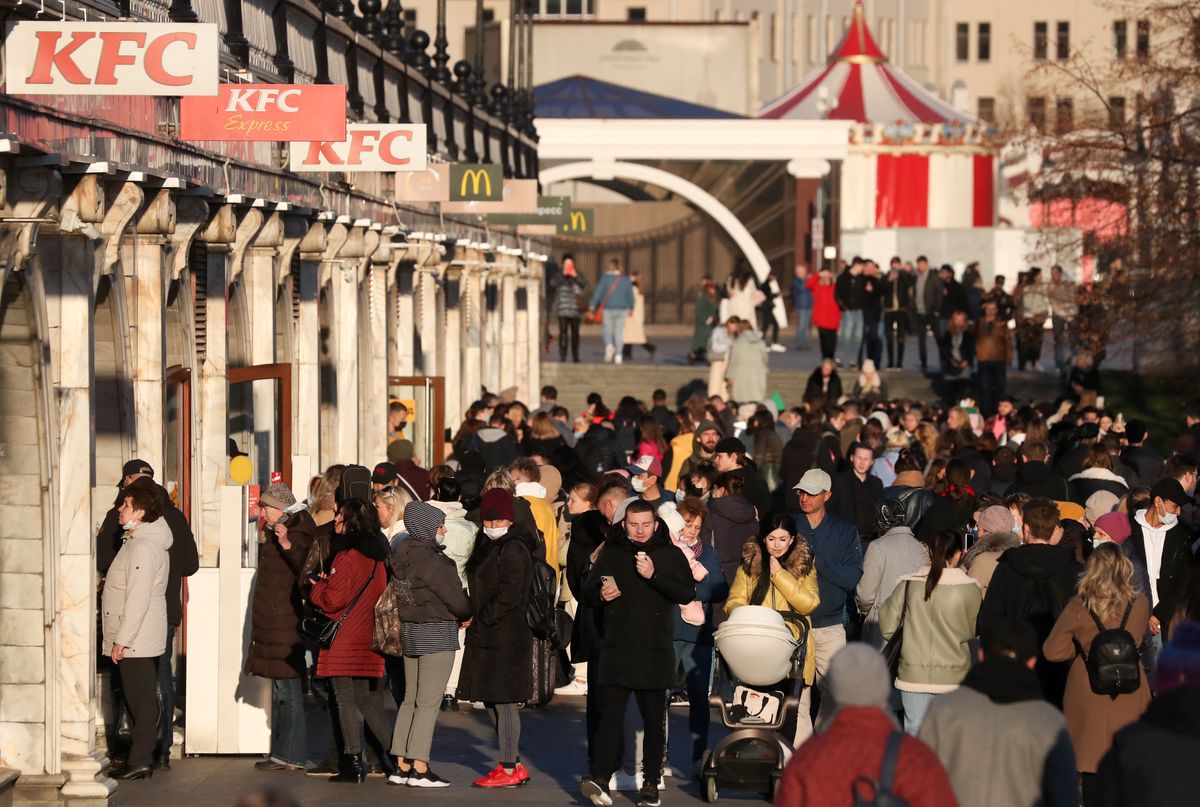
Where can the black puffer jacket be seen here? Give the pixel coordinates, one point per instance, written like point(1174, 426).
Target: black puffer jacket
point(637, 651)
point(276, 649)
point(588, 531)
point(799, 454)
point(597, 449)
point(426, 583)
point(1040, 481)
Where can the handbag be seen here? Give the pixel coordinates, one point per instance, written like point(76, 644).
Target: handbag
point(386, 638)
point(321, 629)
point(891, 649)
point(596, 316)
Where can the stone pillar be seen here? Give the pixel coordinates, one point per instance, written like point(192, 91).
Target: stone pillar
point(533, 288)
point(472, 317)
point(143, 259)
point(521, 325)
point(451, 342)
point(491, 284)
point(508, 326)
point(401, 316)
point(373, 393)
point(306, 361)
point(343, 265)
point(426, 311)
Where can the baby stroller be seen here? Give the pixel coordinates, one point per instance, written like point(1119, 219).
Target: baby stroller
point(766, 663)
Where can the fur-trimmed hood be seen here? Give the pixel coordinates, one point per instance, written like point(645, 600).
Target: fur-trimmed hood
point(1100, 474)
point(799, 562)
point(996, 542)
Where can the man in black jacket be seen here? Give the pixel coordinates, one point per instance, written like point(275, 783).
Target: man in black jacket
point(1033, 582)
point(897, 302)
point(958, 354)
point(926, 307)
point(731, 456)
point(856, 492)
point(1145, 460)
point(184, 561)
point(849, 291)
point(1035, 477)
point(639, 580)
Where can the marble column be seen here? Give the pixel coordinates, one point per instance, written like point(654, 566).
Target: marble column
point(507, 325)
point(401, 316)
point(306, 360)
point(426, 312)
point(491, 325)
point(373, 392)
point(521, 324)
point(451, 342)
point(472, 350)
point(344, 264)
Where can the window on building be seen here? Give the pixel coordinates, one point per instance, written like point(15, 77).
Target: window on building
point(1116, 112)
point(1041, 38)
point(1036, 109)
point(1120, 38)
point(812, 39)
point(489, 14)
point(410, 19)
point(1064, 115)
point(962, 41)
point(575, 8)
point(636, 13)
point(1143, 39)
point(1062, 43)
point(563, 8)
point(987, 109)
point(985, 42)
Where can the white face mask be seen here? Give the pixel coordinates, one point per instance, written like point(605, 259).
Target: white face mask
point(1168, 520)
point(638, 485)
point(493, 532)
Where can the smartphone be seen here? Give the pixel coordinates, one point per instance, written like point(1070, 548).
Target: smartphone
point(605, 580)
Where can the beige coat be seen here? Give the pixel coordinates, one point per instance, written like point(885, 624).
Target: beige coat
point(635, 324)
point(134, 604)
point(1093, 719)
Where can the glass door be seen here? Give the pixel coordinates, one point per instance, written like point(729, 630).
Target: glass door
point(259, 439)
point(417, 412)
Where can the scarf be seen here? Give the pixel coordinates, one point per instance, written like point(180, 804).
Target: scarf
point(965, 489)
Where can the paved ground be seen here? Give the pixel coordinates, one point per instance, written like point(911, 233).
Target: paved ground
point(552, 744)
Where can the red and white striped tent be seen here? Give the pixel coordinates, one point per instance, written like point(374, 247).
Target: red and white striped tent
point(915, 160)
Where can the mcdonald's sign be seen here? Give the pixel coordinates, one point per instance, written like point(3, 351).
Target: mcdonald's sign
point(476, 183)
point(580, 221)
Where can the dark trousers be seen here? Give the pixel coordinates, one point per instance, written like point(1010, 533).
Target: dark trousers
point(166, 697)
point(872, 344)
point(696, 660)
point(895, 329)
point(767, 324)
point(139, 682)
point(595, 706)
point(920, 324)
point(992, 381)
point(606, 756)
point(568, 330)
point(356, 704)
point(1030, 335)
point(828, 337)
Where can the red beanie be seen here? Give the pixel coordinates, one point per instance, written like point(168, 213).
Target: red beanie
point(497, 505)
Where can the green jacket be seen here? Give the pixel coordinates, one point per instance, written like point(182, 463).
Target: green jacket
point(934, 656)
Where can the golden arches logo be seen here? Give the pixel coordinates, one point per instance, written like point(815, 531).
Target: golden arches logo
point(476, 176)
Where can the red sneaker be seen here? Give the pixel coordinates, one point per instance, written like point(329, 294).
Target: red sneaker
point(501, 778)
point(522, 774)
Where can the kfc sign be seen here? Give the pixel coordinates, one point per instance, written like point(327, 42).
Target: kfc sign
point(278, 112)
point(366, 147)
point(111, 58)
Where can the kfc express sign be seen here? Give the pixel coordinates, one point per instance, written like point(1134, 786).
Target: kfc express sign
point(111, 58)
point(279, 112)
point(367, 147)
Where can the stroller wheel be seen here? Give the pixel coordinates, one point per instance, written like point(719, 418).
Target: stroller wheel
point(708, 788)
point(773, 786)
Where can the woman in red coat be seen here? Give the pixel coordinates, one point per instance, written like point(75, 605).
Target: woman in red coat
point(359, 565)
point(826, 316)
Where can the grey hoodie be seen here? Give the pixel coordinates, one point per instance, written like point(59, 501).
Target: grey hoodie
point(134, 604)
point(889, 557)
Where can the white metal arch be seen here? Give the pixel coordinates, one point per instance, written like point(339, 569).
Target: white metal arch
point(676, 184)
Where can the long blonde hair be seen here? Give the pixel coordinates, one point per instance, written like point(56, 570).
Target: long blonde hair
point(1106, 585)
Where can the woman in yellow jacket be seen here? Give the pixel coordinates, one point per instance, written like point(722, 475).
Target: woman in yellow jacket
point(790, 586)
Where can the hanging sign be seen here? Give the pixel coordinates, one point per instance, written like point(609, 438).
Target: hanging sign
point(430, 185)
point(273, 112)
point(111, 58)
point(552, 210)
point(580, 221)
point(366, 147)
point(476, 183)
point(518, 196)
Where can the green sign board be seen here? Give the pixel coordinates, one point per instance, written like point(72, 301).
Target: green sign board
point(580, 221)
point(476, 183)
point(553, 210)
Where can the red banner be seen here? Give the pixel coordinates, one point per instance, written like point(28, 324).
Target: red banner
point(275, 112)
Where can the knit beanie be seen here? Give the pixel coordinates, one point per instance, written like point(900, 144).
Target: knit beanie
point(400, 450)
point(994, 520)
point(1116, 525)
point(279, 496)
point(497, 505)
point(1179, 661)
point(858, 676)
point(422, 520)
point(1099, 503)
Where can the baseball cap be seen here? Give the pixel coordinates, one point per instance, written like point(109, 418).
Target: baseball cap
point(1087, 431)
point(1170, 490)
point(814, 481)
point(384, 474)
point(645, 464)
point(730, 445)
point(134, 468)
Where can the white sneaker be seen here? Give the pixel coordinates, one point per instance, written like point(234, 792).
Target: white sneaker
point(777, 348)
point(609, 350)
point(576, 687)
point(617, 359)
point(638, 779)
point(399, 778)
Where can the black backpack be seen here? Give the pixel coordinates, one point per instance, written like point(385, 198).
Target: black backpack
point(1112, 663)
point(545, 619)
point(355, 484)
point(870, 792)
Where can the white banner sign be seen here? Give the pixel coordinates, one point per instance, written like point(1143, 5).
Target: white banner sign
point(367, 147)
point(111, 58)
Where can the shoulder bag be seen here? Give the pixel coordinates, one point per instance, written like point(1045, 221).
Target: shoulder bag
point(891, 649)
point(598, 315)
point(322, 630)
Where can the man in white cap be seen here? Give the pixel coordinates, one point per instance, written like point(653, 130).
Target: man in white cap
point(837, 554)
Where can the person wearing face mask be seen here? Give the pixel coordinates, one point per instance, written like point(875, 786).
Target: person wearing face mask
point(496, 668)
point(643, 477)
point(458, 542)
point(134, 618)
point(580, 502)
point(1160, 547)
point(431, 604)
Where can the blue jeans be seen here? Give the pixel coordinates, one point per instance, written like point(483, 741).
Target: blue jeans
point(850, 335)
point(696, 660)
point(1151, 649)
point(289, 727)
point(803, 323)
point(612, 327)
point(166, 697)
point(915, 706)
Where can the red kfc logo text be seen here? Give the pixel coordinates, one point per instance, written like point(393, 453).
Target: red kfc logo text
point(367, 147)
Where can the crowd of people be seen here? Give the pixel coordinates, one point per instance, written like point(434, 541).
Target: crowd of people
point(1007, 608)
